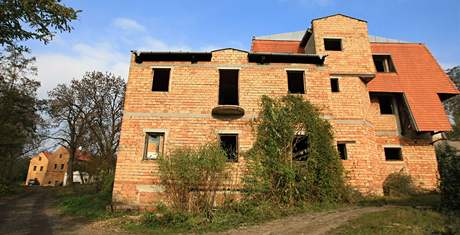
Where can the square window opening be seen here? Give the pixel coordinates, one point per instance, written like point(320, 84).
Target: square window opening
point(332, 44)
point(62, 166)
point(154, 145)
point(300, 146)
point(161, 79)
point(229, 143)
point(228, 87)
point(386, 105)
point(335, 85)
point(393, 154)
point(296, 82)
point(383, 64)
point(342, 149)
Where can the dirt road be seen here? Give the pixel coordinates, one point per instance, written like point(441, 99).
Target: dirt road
point(31, 213)
point(311, 223)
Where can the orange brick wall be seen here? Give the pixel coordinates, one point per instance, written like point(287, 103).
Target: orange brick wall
point(49, 176)
point(184, 113)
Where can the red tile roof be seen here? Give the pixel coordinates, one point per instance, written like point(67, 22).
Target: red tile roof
point(420, 78)
point(276, 46)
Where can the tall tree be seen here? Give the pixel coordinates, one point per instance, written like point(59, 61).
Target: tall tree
point(453, 104)
point(88, 114)
point(19, 110)
point(22, 20)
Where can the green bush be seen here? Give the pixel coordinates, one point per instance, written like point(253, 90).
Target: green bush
point(399, 184)
point(192, 177)
point(449, 172)
point(273, 173)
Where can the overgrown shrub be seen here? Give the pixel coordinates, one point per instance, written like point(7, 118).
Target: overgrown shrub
point(192, 177)
point(399, 184)
point(274, 174)
point(449, 172)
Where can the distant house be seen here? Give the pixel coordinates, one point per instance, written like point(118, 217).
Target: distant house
point(49, 168)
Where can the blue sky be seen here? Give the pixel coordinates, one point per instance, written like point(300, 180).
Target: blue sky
point(107, 30)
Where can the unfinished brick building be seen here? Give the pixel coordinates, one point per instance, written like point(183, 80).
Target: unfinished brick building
point(383, 98)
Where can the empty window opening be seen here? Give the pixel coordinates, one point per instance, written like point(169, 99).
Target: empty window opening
point(335, 85)
point(49, 182)
point(229, 143)
point(384, 64)
point(161, 79)
point(386, 105)
point(55, 166)
point(62, 166)
point(228, 87)
point(332, 44)
point(35, 168)
point(342, 148)
point(300, 148)
point(154, 145)
point(41, 168)
point(296, 82)
point(39, 158)
point(60, 155)
point(393, 154)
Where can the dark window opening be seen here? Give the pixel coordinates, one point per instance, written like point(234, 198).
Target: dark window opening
point(228, 87)
point(39, 158)
point(386, 105)
point(332, 44)
point(384, 64)
point(55, 166)
point(154, 145)
point(49, 182)
point(300, 148)
point(342, 148)
point(335, 85)
point(296, 82)
point(393, 154)
point(161, 79)
point(35, 168)
point(60, 155)
point(62, 166)
point(229, 143)
point(41, 168)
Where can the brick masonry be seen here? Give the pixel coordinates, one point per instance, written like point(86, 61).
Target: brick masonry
point(184, 113)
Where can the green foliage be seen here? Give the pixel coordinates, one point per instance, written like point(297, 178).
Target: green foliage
point(192, 177)
point(21, 20)
point(453, 104)
point(84, 201)
point(399, 184)
point(449, 172)
point(274, 175)
point(19, 114)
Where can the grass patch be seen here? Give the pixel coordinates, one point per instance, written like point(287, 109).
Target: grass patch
point(232, 215)
point(84, 201)
point(418, 214)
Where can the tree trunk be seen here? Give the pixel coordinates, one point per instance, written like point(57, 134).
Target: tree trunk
point(69, 181)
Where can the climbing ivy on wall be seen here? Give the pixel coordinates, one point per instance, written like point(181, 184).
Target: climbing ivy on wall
point(275, 172)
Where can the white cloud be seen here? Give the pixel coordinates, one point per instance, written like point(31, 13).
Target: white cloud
point(153, 44)
point(128, 24)
point(56, 68)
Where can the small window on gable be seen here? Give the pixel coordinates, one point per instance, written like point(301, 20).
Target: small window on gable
point(384, 64)
point(161, 79)
point(60, 155)
point(386, 105)
point(332, 44)
point(154, 145)
point(229, 143)
point(228, 87)
point(39, 158)
point(41, 168)
point(393, 154)
point(300, 148)
point(35, 168)
point(296, 82)
point(335, 85)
